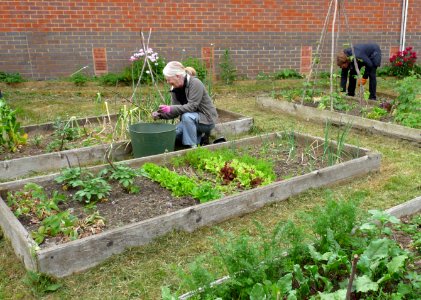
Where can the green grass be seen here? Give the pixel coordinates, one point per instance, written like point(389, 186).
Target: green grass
point(139, 273)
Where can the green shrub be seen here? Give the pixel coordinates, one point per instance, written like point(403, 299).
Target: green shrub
point(324, 75)
point(287, 73)
point(408, 103)
point(110, 79)
point(198, 65)
point(384, 71)
point(11, 77)
point(79, 79)
point(228, 71)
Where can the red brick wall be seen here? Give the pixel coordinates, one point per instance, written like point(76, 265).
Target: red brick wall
point(44, 39)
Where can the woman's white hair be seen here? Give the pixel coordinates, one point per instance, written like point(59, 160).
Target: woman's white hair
point(174, 68)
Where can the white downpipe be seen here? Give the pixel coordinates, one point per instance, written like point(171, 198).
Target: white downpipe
point(403, 24)
point(402, 20)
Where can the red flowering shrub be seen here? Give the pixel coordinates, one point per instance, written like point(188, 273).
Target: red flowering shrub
point(403, 62)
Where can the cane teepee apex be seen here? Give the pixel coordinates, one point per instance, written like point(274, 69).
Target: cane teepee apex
point(338, 11)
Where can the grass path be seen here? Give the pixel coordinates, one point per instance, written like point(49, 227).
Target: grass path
point(140, 272)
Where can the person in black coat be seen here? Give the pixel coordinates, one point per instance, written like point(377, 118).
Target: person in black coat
point(368, 56)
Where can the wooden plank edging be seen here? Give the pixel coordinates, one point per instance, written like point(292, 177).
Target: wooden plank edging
point(408, 208)
point(24, 246)
point(314, 114)
point(24, 166)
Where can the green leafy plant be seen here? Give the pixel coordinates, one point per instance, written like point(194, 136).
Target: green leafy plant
point(335, 220)
point(262, 76)
point(376, 113)
point(72, 177)
point(317, 266)
point(33, 202)
point(79, 79)
point(92, 190)
point(124, 175)
point(243, 171)
point(110, 79)
point(36, 206)
point(180, 185)
point(324, 75)
point(408, 103)
point(339, 103)
point(289, 94)
point(11, 135)
point(199, 65)
point(64, 131)
point(37, 140)
point(41, 284)
point(384, 71)
point(237, 172)
point(228, 72)
point(61, 223)
point(11, 77)
point(286, 74)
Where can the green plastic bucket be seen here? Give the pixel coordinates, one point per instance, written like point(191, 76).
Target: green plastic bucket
point(151, 138)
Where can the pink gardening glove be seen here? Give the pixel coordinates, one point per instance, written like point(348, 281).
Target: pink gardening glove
point(164, 109)
point(155, 115)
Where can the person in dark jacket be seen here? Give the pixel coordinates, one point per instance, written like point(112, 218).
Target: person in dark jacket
point(191, 102)
point(368, 56)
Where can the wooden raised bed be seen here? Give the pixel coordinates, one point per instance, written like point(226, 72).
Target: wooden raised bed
point(231, 124)
point(78, 255)
point(314, 114)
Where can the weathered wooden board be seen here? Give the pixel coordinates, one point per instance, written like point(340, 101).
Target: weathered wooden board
point(42, 128)
point(21, 241)
point(43, 163)
point(314, 114)
point(75, 256)
point(408, 208)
